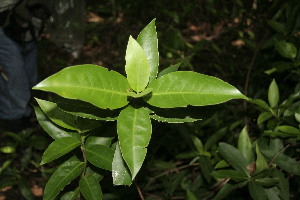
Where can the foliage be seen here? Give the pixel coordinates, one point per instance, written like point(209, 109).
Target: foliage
point(89, 90)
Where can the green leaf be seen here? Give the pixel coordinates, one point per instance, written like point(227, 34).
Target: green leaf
point(90, 188)
point(288, 129)
point(86, 110)
point(120, 172)
point(267, 181)
point(53, 130)
point(72, 195)
point(264, 116)
point(173, 120)
point(221, 164)
point(24, 188)
point(180, 89)
point(288, 164)
point(273, 193)
point(59, 148)
point(134, 132)
point(283, 185)
point(244, 145)
point(190, 195)
point(224, 191)
point(137, 67)
point(261, 103)
point(148, 41)
point(198, 144)
point(232, 174)
point(261, 163)
point(64, 119)
point(278, 27)
point(286, 49)
point(99, 155)
point(141, 94)
point(257, 192)
point(273, 94)
point(96, 140)
point(172, 68)
point(64, 174)
point(90, 83)
point(234, 157)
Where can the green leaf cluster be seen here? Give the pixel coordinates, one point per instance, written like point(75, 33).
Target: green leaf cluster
point(89, 94)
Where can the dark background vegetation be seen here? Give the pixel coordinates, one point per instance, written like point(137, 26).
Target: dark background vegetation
point(232, 40)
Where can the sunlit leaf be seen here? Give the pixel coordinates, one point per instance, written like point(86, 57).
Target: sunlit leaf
point(90, 83)
point(134, 132)
point(137, 66)
point(90, 188)
point(180, 89)
point(234, 157)
point(59, 148)
point(273, 94)
point(148, 41)
point(64, 174)
point(244, 145)
point(99, 155)
point(120, 172)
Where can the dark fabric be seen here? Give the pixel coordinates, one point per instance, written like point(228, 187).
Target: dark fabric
point(3, 17)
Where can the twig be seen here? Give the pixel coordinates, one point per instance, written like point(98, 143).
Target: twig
point(281, 151)
point(140, 192)
point(170, 171)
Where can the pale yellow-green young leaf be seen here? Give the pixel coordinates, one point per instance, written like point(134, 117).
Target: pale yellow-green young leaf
point(137, 66)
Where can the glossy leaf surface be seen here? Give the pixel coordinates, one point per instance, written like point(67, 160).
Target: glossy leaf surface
point(90, 188)
point(64, 174)
point(244, 145)
point(120, 172)
point(99, 155)
point(59, 148)
point(90, 83)
point(149, 42)
point(134, 132)
point(234, 157)
point(180, 89)
point(137, 67)
point(64, 119)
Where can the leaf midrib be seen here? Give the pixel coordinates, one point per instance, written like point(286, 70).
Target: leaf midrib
point(90, 88)
point(65, 177)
